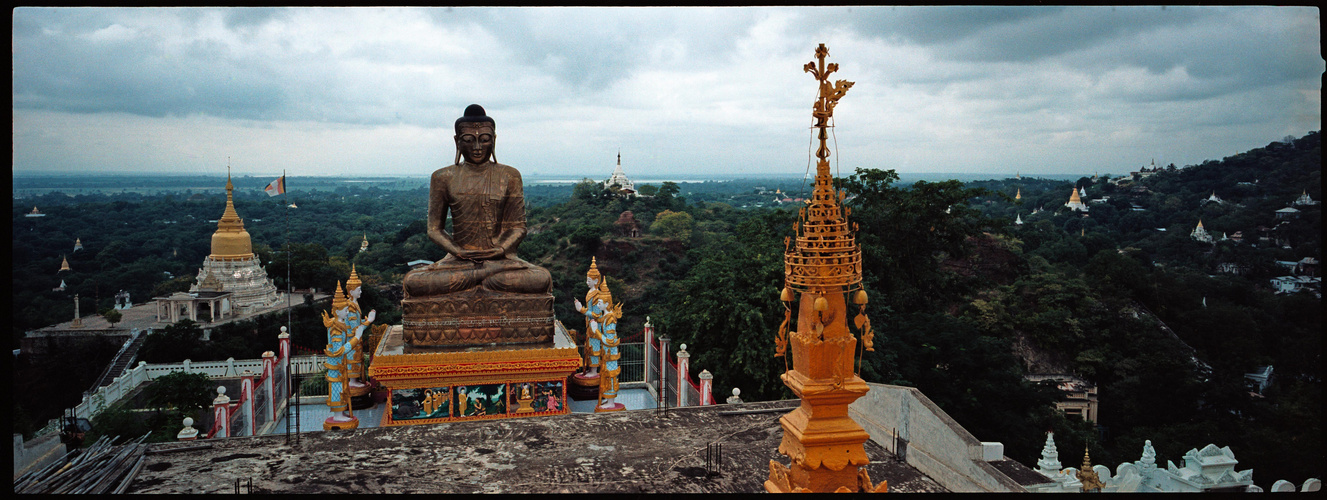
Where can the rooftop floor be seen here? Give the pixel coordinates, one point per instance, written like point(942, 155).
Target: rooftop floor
point(641, 451)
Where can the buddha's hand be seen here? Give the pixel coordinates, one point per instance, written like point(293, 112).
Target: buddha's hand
point(484, 254)
point(372, 314)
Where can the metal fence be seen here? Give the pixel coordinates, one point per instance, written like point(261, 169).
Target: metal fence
point(631, 362)
point(239, 422)
point(261, 406)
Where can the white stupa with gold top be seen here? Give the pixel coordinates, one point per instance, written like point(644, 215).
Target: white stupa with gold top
point(232, 265)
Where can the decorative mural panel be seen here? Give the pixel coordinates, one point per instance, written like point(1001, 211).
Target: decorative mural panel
point(536, 397)
point(421, 403)
point(481, 400)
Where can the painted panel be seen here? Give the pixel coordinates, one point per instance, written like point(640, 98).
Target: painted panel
point(421, 403)
point(481, 400)
point(546, 396)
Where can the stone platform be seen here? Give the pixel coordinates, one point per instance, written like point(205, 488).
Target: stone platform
point(443, 384)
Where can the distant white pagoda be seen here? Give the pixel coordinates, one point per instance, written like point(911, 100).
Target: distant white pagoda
point(620, 179)
point(1201, 234)
point(1304, 199)
point(1018, 220)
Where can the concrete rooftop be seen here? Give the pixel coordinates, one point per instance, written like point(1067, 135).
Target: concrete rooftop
point(624, 452)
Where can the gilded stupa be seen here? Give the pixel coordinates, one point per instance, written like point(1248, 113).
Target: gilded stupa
point(232, 266)
point(824, 264)
point(1076, 202)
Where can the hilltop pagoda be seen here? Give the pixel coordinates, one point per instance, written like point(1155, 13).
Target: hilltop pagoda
point(232, 266)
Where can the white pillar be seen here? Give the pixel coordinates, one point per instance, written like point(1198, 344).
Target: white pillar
point(683, 364)
point(269, 385)
point(221, 413)
point(706, 384)
point(283, 344)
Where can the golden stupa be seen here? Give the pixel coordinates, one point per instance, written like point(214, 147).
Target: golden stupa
point(231, 241)
point(824, 444)
point(232, 266)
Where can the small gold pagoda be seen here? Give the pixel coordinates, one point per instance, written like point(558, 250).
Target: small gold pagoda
point(823, 443)
point(64, 262)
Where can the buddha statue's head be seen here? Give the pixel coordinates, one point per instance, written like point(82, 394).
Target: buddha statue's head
point(474, 135)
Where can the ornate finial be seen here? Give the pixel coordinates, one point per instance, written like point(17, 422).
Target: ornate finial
point(1050, 458)
point(820, 269)
point(1086, 475)
point(338, 299)
point(593, 273)
point(353, 282)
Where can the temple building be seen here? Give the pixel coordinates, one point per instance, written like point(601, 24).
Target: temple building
point(620, 179)
point(364, 245)
point(1305, 199)
point(35, 213)
point(232, 266)
point(64, 264)
point(78, 244)
point(1201, 234)
point(1076, 202)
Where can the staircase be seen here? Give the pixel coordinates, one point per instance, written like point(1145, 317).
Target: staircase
point(122, 360)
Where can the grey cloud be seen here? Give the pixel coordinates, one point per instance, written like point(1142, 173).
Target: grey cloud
point(60, 72)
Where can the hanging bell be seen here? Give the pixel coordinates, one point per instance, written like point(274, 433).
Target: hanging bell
point(787, 295)
point(822, 304)
point(859, 297)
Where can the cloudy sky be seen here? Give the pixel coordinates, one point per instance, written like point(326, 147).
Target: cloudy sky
point(680, 91)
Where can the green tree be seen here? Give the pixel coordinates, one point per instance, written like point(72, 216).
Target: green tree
point(112, 316)
point(727, 309)
point(181, 392)
point(670, 224)
point(172, 344)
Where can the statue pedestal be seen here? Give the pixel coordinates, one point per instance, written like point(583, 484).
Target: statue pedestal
point(444, 384)
point(583, 388)
point(613, 407)
point(478, 317)
point(333, 424)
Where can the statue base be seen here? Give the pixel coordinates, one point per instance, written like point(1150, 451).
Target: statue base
point(428, 385)
point(610, 408)
point(478, 317)
point(331, 424)
point(583, 388)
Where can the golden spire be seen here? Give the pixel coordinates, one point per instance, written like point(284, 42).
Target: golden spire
point(1087, 476)
point(1074, 198)
point(1200, 223)
point(64, 264)
point(339, 299)
point(824, 264)
point(593, 273)
point(353, 282)
point(1019, 194)
point(231, 241)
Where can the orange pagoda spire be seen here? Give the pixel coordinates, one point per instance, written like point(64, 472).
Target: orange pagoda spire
point(823, 443)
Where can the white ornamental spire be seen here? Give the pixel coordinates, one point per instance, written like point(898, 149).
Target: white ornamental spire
point(1049, 465)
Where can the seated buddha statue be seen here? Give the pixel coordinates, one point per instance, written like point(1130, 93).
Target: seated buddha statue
point(481, 292)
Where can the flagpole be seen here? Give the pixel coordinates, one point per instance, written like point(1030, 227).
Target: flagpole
point(291, 386)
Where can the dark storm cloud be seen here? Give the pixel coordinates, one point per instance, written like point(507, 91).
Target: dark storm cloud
point(85, 65)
